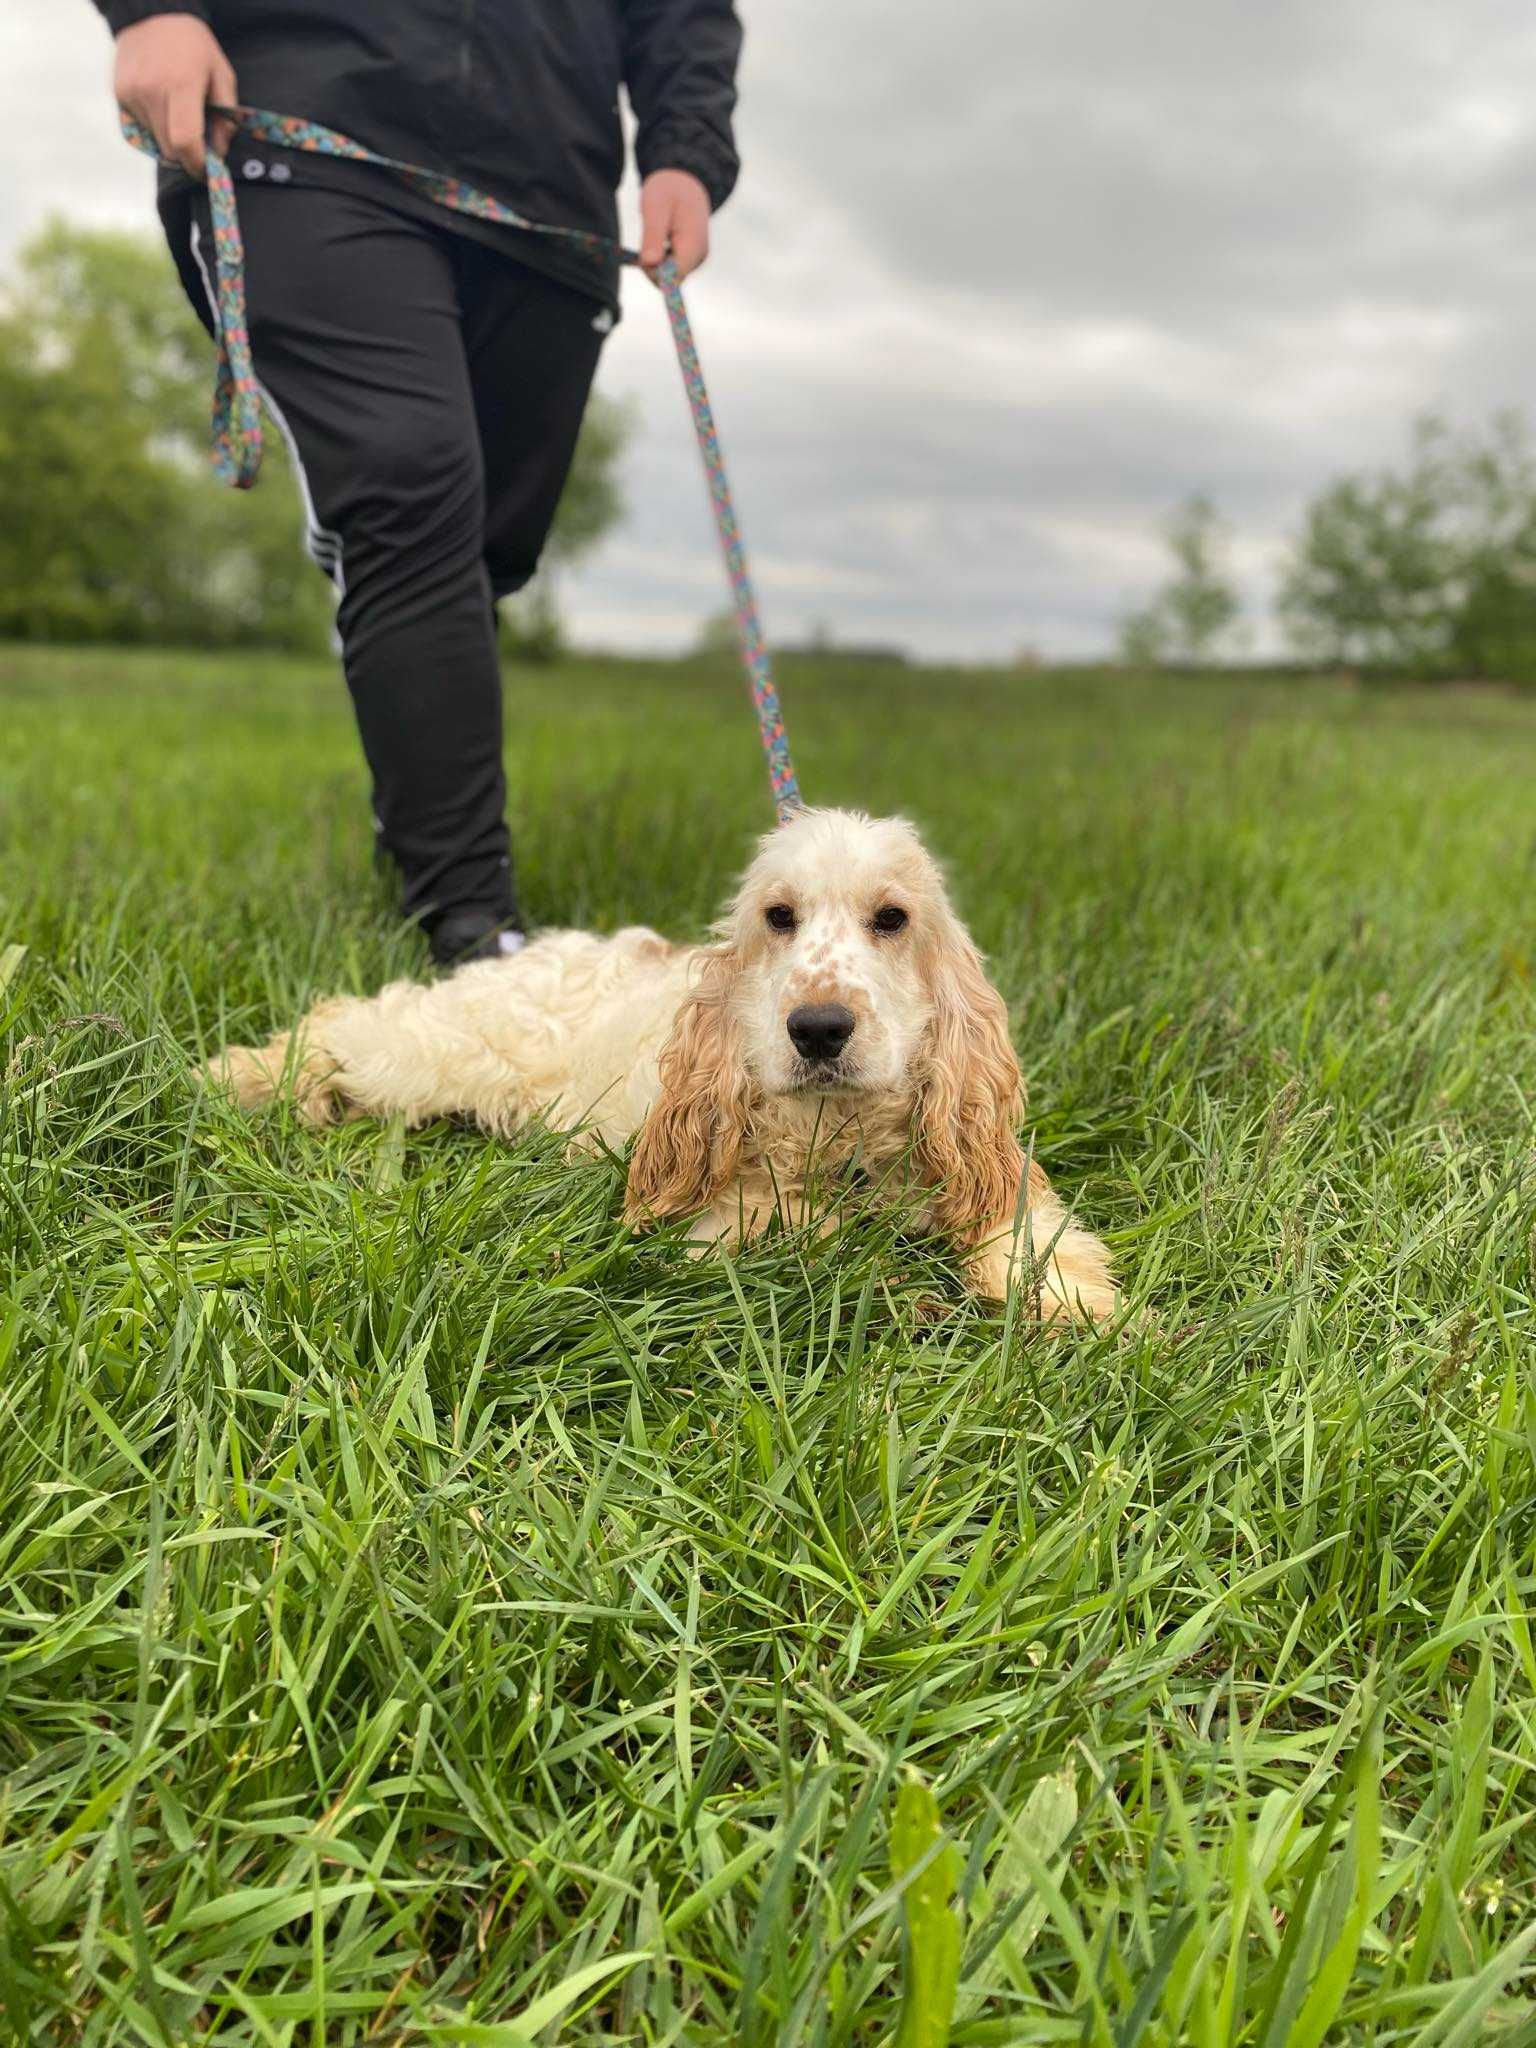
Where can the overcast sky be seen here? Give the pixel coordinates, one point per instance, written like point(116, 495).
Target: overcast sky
point(1006, 279)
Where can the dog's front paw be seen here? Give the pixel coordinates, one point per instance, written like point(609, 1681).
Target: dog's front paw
point(254, 1075)
point(1065, 1280)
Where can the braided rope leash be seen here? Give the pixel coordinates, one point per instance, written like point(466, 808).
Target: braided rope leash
point(237, 433)
point(754, 648)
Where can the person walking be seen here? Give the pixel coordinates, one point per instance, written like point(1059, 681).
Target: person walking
point(430, 370)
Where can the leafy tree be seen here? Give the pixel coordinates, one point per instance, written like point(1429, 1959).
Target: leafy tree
point(593, 501)
point(119, 530)
point(104, 400)
point(1430, 570)
point(1196, 607)
point(592, 504)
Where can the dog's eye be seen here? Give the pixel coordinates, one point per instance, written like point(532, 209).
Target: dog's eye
point(781, 917)
point(890, 919)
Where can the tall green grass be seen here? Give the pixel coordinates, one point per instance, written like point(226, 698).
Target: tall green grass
point(429, 1614)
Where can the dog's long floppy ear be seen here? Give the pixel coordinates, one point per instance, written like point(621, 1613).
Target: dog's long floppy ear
point(690, 1144)
point(970, 1096)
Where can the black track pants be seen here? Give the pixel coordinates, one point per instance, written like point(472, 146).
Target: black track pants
point(432, 388)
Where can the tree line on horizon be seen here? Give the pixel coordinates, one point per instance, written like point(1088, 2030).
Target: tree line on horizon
point(1426, 570)
point(118, 532)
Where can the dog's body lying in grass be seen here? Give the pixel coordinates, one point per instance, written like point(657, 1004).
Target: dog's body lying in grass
point(842, 1016)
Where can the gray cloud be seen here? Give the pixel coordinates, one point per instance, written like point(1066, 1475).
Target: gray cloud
point(1004, 281)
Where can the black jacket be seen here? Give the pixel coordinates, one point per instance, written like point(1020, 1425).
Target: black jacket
point(519, 97)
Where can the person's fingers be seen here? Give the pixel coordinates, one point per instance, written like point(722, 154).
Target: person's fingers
point(132, 104)
point(223, 91)
point(690, 244)
point(153, 112)
point(185, 116)
point(654, 236)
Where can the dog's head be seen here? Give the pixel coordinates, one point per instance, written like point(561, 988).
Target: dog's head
point(841, 971)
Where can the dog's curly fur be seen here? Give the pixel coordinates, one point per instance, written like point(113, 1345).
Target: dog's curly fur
point(689, 1048)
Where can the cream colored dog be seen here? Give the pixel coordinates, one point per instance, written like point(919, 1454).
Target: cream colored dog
point(841, 1017)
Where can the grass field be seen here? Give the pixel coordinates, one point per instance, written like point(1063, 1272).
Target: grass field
point(427, 1614)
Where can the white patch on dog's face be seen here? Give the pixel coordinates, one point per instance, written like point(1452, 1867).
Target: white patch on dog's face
point(832, 926)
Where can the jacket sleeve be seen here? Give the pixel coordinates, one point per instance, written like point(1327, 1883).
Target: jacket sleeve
point(680, 61)
point(121, 14)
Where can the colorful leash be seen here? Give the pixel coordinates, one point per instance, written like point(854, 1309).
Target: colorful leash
point(237, 399)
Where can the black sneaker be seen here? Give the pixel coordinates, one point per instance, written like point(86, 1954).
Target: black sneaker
point(474, 935)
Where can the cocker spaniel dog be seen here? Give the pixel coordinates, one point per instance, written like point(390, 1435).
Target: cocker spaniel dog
point(841, 1018)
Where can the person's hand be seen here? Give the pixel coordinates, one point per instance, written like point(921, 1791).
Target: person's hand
point(674, 218)
point(169, 70)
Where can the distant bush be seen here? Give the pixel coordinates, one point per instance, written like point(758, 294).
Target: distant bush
point(1191, 617)
point(1429, 570)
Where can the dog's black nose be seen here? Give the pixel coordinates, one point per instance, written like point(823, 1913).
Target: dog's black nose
point(819, 1031)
